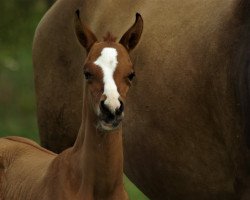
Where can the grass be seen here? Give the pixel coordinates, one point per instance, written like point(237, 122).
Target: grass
point(17, 99)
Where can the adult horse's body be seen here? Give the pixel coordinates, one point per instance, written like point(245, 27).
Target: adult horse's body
point(187, 137)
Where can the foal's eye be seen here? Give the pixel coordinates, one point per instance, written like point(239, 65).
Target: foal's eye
point(87, 75)
point(131, 76)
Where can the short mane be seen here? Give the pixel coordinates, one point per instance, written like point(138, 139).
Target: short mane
point(109, 37)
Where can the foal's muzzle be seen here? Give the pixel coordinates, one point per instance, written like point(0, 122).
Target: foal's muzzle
point(110, 119)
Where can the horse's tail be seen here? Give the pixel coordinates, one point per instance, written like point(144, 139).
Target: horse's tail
point(244, 10)
point(242, 61)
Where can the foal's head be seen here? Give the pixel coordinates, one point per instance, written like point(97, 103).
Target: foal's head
point(108, 71)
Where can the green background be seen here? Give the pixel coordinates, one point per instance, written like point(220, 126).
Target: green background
point(18, 21)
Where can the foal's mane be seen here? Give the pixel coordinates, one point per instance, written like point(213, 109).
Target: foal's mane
point(109, 37)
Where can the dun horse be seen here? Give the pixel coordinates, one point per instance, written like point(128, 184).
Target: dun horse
point(187, 139)
point(93, 167)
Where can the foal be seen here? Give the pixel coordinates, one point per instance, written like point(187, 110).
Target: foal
point(93, 168)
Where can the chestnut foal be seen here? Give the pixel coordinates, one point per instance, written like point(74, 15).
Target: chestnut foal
point(93, 168)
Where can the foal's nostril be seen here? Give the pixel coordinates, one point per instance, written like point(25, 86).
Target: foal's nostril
point(103, 107)
point(109, 116)
point(120, 109)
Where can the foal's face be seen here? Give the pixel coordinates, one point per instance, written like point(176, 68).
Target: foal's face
point(108, 72)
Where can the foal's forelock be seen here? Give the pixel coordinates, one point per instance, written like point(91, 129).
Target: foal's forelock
point(107, 61)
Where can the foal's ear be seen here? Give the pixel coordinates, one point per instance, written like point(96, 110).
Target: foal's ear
point(84, 34)
point(131, 38)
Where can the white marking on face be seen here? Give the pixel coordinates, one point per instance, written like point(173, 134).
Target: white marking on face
point(107, 61)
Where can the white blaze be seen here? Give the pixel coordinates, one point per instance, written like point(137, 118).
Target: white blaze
point(107, 61)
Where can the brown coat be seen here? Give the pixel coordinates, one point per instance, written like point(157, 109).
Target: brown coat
point(29, 172)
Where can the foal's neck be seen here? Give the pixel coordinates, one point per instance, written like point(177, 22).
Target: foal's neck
point(98, 156)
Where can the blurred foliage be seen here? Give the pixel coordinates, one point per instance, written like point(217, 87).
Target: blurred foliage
point(17, 104)
point(19, 19)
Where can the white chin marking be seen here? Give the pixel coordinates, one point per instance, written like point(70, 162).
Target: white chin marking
point(107, 61)
point(106, 128)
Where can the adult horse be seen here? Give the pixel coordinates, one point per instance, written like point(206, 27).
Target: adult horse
point(187, 139)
